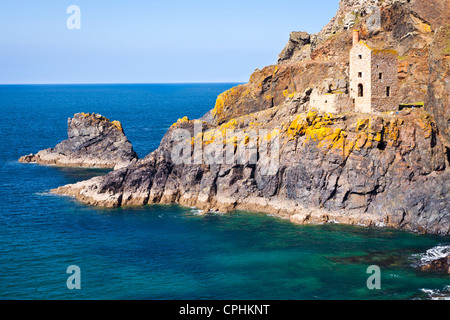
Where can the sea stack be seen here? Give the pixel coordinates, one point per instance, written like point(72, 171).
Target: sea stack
point(93, 141)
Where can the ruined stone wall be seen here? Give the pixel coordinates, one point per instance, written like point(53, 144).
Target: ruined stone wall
point(331, 102)
point(385, 63)
point(343, 103)
point(323, 102)
point(360, 73)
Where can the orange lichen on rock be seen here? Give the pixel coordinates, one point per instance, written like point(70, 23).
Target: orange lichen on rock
point(181, 120)
point(297, 127)
point(228, 98)
point(427, 124)
point(118, 125)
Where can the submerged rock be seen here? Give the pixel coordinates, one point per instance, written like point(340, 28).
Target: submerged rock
point(435, 259)
point(93, 141)
point(442, 264)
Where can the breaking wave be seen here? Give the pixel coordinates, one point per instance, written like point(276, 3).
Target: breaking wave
point(432, 254)
point(438, 294)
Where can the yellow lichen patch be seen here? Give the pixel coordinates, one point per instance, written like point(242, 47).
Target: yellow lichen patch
point(230, 140)
point(348, 147)
point(209, 136)
point(312, 115)
point(226, 130)
point(391, 132)
point(118, 125)
point(330, 137)
point(271, 135)
point(219, 107)
point(313, 125)
point(338, 142)
point(297, 127)
point(182, 120)
point(318, 133)
point(426, 123)
point(376, 137)
point(318, 129)
point(420, 25)
point(365, 44)
point(362, 124)
point(94, 117)
point(232, 124)
point(246, 139)
point(229, 98)
point(385, 51)
point(328, 116)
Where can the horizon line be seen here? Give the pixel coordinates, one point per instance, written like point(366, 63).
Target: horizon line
point(118, 83)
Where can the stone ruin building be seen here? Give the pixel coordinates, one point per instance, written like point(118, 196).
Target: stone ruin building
point(373, 83)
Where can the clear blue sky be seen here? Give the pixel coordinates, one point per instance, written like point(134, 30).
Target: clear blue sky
point(137, 41)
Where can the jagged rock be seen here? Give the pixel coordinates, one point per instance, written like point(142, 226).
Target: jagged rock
point(298, 102)
point(435, 259)
point(295, 48)
point(93, 141)
point(442, 264)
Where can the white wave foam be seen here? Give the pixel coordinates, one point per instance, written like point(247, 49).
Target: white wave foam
point(433, 254)
point(46, 194)
point(438, 294)
point(197, 212)
point(279, 217)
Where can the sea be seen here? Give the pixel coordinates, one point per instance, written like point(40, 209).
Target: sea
point(169, 252)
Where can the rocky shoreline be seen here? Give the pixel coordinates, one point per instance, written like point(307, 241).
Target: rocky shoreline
point(372, 170)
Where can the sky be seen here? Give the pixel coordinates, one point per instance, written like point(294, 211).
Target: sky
point(137, 41)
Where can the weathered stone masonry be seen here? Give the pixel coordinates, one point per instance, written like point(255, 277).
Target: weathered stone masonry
point(373, 86)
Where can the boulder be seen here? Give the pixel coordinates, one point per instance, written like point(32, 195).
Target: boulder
point(442, 265)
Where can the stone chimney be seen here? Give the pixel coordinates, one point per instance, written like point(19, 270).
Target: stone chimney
point(355, 37)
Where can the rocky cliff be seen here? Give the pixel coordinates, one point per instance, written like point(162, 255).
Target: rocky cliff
point(386, 169)
point(93, 141)
point(414, 28)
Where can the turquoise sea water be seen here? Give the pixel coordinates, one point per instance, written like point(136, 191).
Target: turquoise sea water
point(169, 252)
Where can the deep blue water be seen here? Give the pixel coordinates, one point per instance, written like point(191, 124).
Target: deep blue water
point(168, 252)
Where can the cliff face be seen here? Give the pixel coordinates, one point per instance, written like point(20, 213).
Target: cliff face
point(93, 141)
point(439, 81)
point(386, 169)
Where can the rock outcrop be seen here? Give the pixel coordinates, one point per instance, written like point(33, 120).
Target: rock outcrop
point(435, 259)
point(387, 169)
point(297, 48)
point(442, 265)
point(93, 141)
